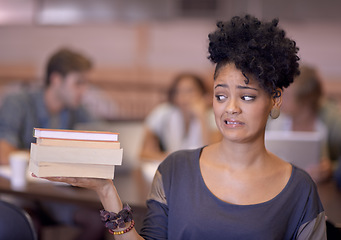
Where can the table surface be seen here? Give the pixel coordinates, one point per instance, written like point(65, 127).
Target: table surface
point(133, 189)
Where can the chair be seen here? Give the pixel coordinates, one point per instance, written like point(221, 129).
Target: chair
point(15, 223)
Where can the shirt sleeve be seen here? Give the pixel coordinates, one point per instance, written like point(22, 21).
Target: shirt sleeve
point(313, 219)
point(314, 229)
point(155, 225)
point(11, 118)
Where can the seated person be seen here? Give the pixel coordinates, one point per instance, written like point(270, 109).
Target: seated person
point(56, 105)
point(300, 112)
point(184, 122)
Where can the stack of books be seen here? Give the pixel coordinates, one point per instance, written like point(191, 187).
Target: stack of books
point(72, 153)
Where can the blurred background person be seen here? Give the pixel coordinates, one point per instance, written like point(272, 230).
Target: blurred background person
point(305, 109)
point(185, 122)
point(56, 105)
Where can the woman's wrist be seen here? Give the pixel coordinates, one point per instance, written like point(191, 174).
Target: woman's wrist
point(109, 197)
point(118, 223)
point(104, 188)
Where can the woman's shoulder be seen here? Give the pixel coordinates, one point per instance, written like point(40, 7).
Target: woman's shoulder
point(180, 160)
point(301, 180)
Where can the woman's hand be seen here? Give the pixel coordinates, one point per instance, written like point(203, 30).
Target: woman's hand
point(104, 188)
point(95, 184)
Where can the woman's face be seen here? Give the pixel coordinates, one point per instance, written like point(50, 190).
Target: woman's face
point(186, 94)
point(241, 110)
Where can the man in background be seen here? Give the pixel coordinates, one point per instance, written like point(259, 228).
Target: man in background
point(57, 105)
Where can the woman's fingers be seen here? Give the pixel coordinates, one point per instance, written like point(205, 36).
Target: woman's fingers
point(90, 183)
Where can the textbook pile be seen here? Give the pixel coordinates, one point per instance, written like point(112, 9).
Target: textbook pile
point(71, 153)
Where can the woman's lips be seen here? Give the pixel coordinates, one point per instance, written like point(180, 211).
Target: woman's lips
point(233, 123)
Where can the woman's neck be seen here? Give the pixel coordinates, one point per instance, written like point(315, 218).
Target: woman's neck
point(239, 156)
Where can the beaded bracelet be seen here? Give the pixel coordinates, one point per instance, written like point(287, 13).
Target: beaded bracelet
point(123, 231)
point(113, 220)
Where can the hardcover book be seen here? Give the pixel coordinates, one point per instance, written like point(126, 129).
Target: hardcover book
point(75, 134)
point(72, 153)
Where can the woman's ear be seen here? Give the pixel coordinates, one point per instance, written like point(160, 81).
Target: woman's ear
point(276, 103)
point(277, 98)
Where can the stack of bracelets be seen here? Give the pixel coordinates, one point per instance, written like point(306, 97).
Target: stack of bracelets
point(119, 220)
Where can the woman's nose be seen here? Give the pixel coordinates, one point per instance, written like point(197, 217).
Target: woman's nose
point(233, 106)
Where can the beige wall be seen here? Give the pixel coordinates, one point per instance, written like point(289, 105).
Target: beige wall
point(151, 52)
point(163, 45)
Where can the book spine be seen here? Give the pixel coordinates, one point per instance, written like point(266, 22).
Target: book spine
point(77, 143)
point(75, 135)
point(46, 169)
point(76, 155)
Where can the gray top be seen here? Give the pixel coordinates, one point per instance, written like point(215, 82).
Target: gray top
point(180, 206)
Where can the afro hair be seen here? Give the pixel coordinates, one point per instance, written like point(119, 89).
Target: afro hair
point(260, 49)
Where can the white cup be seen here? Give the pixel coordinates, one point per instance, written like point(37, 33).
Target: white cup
point(19, 161)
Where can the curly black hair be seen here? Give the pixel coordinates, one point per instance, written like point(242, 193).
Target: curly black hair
point(258, 48)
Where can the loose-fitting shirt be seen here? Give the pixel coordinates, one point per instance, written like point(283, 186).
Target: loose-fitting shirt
point(180, 206)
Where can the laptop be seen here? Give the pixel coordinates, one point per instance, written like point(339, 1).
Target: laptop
point(303, 149)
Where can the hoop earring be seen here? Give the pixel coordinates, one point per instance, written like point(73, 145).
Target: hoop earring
point(274, 113)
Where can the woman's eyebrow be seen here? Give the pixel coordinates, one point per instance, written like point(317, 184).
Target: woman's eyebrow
point(221, 85)
point(247, 87)
point(239, 87)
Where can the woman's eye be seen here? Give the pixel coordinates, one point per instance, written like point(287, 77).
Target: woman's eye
point(220, 97)
point(248, 98)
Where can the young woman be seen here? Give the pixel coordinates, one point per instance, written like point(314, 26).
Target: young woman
point(234, 189)
point(184, 122)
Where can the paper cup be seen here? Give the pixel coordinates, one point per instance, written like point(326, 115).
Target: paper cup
point(18, 162)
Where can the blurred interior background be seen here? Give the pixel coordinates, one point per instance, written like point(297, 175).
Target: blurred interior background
point(139, 45)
